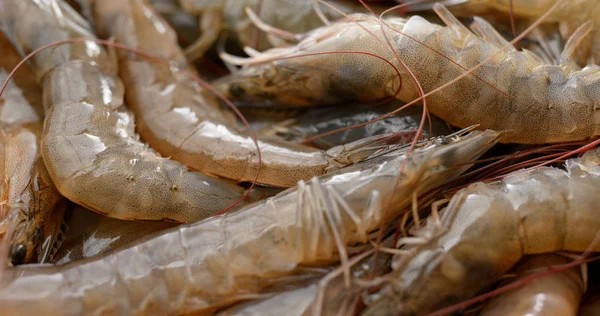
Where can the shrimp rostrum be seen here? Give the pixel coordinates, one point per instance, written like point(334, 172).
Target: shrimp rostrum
point(488, 227)
point(222, 260)
point(88, 143)
point(32, 209)
point(512, 91)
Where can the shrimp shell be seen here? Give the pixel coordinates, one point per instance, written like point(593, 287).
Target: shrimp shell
point(561, 292)
point(88, 144)
point(216, 262)
point(179, 120)
point(488, 227)
point(513, 91)
point(32, 209)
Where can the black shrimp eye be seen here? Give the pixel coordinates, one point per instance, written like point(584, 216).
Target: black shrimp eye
point(236, 90)
point(17, 254)
point(36, 233)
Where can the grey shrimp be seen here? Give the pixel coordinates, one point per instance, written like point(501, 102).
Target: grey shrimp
point(181, 120)
point(513, 91)
point(89, 145)
point(219, 261)
point(487, 228)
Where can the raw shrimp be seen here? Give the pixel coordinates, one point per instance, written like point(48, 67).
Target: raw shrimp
point(557, 294)
point(32, 209)
point(88, 144)
point(318, 121)
point(327, 295)
point(570, 15)
point(232, 257)
point(513, 91)
point(487, 228)
point(294, 16)
point(92, 234)
point(180, 120)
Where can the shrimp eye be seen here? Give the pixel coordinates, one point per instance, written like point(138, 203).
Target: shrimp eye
point(236, 90)
point(36, 233)
point(17, 254)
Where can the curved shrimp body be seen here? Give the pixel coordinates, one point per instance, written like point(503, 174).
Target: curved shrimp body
point(32, 209)
point(178, 119)
point(89, 145)
point(488, 227)
point(514, 91)
point(561, 292)
point(221, 260)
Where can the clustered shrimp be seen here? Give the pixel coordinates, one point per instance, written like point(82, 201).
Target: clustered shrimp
point(310, 157)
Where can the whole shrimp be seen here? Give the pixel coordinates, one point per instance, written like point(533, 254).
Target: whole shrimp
point(32, 209)
point(178, 119)
point(294, 16)
point(561, 292)
point(232, 257)
point(512, 91)
point(487, 228)
point(88, 144)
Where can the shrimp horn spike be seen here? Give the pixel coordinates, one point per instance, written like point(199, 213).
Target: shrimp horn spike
point(269, 28)
point(575, 41)
point(486, 31)
point(450, 20)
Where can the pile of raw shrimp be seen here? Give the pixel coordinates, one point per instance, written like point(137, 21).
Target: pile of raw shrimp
point(299, 157)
